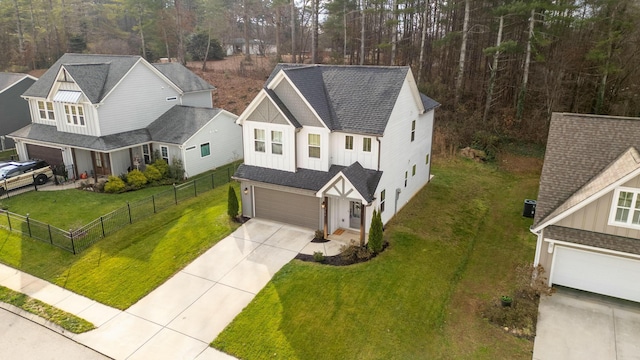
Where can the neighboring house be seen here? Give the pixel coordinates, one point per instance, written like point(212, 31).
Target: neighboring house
point(588, 210)
point(108, 114)
point(256, 47)
point(326, 145)
point(14, 111)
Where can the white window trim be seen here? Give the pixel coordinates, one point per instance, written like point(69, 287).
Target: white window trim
point(319, 146)
point(614, 206)
point(273, 142)
point(46, 110)
point(263, 140)
point(345, 142)
point(413, 130)
point(364, 142)
point(383, 199)
point(162, 147)
point(68, 116)
point(201, 145)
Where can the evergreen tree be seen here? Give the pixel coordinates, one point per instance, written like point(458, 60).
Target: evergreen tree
point(232, 203)
point(375, 232)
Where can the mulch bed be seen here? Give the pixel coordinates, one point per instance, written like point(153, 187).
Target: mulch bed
point(342, 259)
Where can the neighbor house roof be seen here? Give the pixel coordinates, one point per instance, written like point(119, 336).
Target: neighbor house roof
point(364, 180)
point(8, 79)
point(584, 154)
point(180, 123)
point(183, 78)
point(175, 126)
point(355, 99)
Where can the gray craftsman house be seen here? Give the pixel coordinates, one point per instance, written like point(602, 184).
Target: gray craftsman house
point(588, 210)
point(14, 111)
point(326, 145)
point(108, 114)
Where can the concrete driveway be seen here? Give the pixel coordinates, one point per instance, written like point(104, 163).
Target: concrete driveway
point(582, 326)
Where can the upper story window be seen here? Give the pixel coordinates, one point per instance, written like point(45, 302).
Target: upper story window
point(625, 210)
point(258, 136)
point(314, 146)
point(382, 200)
point(276, 142)
point(413, 130)
point(366, 144)
point(348, 142)
point(205, 150)
point(75, 114)
point(45, 108)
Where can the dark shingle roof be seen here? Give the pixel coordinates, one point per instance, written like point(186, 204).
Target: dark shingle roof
point(174, 127)
point(179, 123)
point(118, 65)
point(356, 99)
point(364, 180)
point(183, 78)
point(90, 78)
point(588, 238)
point(8, 79)
point(580, 147)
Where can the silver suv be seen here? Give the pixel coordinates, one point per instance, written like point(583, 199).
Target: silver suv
point(24, 173)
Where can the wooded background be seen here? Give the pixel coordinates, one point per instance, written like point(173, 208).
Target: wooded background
point(499, 68)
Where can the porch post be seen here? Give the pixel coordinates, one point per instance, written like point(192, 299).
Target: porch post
point(326, 220)
point(363, 215)
point(75, 168)
point(93, 164)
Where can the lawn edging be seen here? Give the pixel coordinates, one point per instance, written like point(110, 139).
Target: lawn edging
point(42, 313)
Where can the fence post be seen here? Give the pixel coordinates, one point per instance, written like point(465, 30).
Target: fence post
point(175, 193)
point(129, 208)
point(35, 186)
point(195, 189)
point(28, 225)
point(102, 224)
point(9, 220)
point(6, 189)
point(153, 200)
point(73, 245)
point(50, 237)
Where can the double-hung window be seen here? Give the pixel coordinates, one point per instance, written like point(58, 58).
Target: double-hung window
point(382, 199)
point(45, 108)
point(146, 153)
point(413, 130)
point(348, 142)
point(258, 136)
point(164, 152)
point(314, 146)
point(626, 208)
point(75, 114)
point(276, 142)
point(205, 150)
point(366, 144)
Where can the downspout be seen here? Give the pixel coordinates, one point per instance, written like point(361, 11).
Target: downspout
point(184, 161)
point(379, 150)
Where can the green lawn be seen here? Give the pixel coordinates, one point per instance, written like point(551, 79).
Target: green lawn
point(452, 250)
point(125, 266)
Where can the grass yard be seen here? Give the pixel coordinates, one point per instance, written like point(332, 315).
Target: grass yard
point(452, 250)
point(127, 265)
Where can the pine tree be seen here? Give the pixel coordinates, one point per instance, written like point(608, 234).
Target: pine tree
point(375, 233)
point(232, 203)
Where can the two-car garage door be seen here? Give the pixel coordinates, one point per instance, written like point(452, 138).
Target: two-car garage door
point(287, 207)
point(595, 272)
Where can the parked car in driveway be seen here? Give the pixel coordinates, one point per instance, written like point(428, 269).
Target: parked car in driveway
point(25, 173)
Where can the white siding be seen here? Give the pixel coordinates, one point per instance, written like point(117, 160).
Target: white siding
point(399, 153)
point(225, 143)
point(120, 162)
point(174, 151)
point(137, 101)
point(303, 159)
point(342, 156)
point(285, 162)
point(198, 99)
point(295, 104)
point(91, 124)
point(84, 162)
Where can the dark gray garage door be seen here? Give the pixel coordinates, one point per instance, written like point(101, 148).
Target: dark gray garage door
point(51, 155)
point(288, 208)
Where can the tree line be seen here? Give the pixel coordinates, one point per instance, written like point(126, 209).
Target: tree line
point(500, 66)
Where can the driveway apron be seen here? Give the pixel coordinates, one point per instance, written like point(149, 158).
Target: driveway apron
point(181, 317)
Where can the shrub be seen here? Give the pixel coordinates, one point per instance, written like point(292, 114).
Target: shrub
point(375, 233)
point(114, 185)
point(162, 166)
point(136, 179)
point(176, 170)
point(319, 234)
point(152, 173)
point(318, 256)
point(232, 203)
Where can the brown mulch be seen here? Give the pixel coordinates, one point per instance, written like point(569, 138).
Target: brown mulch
point(341, 259)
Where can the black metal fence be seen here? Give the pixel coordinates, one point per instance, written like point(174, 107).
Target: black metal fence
point(77, 240)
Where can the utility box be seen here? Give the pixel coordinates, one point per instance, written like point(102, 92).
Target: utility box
point(529, 208)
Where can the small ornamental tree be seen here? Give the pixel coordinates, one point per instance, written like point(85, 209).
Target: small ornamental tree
point(375, 233)
point(232, 203)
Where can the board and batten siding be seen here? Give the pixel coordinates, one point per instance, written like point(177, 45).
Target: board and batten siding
point(303, 159)
point(266, 112)
point(398, 153)
point(84, 162)
point(198, 99)
point(340, 155)
point(136, 102)
point(225, 144)
point(295, 104)
point(595, 216)
point(120, 162)
point(285, 161)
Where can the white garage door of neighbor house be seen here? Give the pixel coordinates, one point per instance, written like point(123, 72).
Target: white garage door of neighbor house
point(288, 208)
point(599, 273)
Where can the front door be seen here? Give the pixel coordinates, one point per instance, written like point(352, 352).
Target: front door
point(102, 163)
point(354, 214)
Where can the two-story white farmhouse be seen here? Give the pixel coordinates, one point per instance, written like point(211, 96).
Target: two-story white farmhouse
point(325, 145)
point(107, 114)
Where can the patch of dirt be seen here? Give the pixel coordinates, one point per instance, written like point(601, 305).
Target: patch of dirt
point(519, 164)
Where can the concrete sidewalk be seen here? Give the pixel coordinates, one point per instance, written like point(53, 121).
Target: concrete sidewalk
point(182, 316)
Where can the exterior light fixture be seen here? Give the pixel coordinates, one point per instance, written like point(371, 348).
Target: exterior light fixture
point(323, 205)
point(246, 191)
